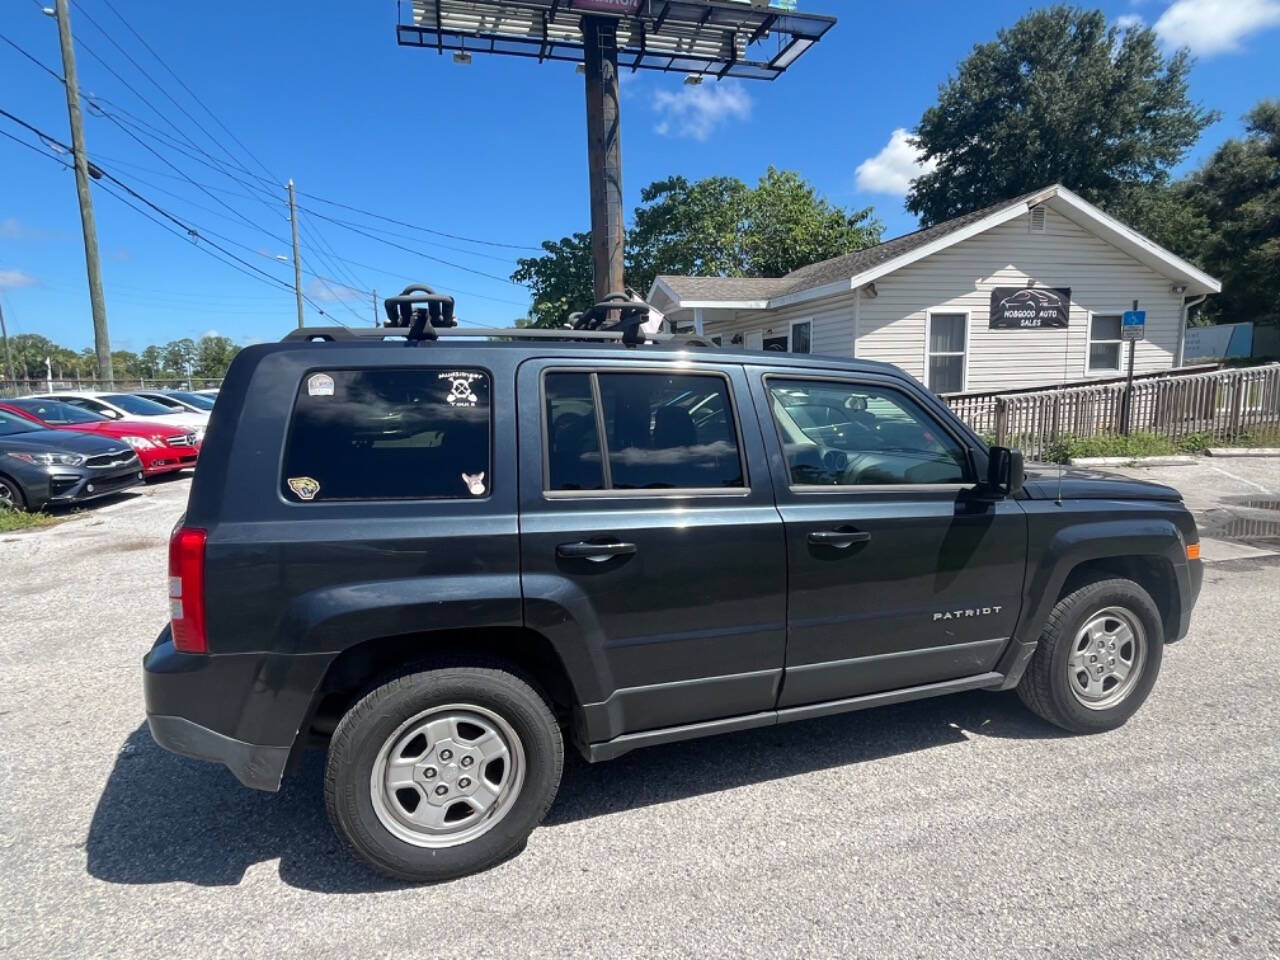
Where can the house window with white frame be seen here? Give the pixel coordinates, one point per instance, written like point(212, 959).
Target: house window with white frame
point(1105, 345)
point(944, 367)
point(801, 336)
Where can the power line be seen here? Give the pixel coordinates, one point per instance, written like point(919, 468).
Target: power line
point(190, 232)
point(415, 226)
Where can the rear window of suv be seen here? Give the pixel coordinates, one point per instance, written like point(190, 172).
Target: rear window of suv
point(420, 434)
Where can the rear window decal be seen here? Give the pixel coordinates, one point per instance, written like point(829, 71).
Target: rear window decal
point(320, 385)
point(460, 392)
point(475, 483)
point(305, 487)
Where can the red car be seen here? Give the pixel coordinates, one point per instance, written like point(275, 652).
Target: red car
point(162, 448)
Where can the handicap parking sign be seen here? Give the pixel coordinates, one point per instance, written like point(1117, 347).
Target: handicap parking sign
point(1133, 325)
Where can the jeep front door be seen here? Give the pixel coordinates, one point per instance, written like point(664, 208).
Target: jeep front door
point(900, 574)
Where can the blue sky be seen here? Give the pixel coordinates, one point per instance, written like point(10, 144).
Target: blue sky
point(494, 150)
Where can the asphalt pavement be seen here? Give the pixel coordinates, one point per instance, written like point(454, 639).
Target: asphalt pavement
point(958, 827)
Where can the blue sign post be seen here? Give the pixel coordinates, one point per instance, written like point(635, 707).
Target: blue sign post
point(1133, 327)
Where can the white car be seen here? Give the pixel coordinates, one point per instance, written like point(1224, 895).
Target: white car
point(125, 406)
point(178, 400)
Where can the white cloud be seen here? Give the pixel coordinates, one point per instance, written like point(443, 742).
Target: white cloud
point(893, 168)
point(1130, 20)
point(696, 111)
point(1215, 26)
point(210, 333)
point(327, 291)
point(12, 279)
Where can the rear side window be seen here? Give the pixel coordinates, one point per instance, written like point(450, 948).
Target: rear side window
point(660, 432)
point(421, 434)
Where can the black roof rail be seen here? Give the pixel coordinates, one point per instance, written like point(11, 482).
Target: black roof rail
point(435, 319)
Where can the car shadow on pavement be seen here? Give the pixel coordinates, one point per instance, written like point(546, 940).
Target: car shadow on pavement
point(164, 818)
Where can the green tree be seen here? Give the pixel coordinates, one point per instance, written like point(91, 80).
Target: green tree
point(559, 280)
point(179, 356)
point(151, 362)
point(29, 352)
point(214, 355)
point(718, 226)
point(1059, 97)
point(125, 365)
point(1238, 192)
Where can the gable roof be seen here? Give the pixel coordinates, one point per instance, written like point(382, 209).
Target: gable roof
point(853, 270)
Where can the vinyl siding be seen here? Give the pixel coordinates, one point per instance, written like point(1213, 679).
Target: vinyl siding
point(892, 325)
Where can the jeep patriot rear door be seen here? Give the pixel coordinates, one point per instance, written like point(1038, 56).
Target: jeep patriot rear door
point(652, 554)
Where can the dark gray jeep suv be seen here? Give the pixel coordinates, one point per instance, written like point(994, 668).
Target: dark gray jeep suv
point(443, 555)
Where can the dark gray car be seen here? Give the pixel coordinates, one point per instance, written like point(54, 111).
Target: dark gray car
point(41, 467)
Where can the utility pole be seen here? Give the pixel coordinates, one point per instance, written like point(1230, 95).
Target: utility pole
point(604, 152)
point(297, 259)
point(101, 341)
point(375, 308)
point(4, 334)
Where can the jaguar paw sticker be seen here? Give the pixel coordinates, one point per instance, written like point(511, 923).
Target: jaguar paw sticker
point(306, 489)
point(474, 482)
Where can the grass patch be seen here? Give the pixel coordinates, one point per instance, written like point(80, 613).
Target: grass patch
point(11, 521)
point(1142, 444)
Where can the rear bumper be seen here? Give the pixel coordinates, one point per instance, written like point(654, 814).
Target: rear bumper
point(243, 710)
point(254, 765)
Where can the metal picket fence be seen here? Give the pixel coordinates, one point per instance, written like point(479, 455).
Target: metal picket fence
point(1223, 404)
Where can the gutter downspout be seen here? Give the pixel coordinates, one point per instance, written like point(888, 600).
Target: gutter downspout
point(1187, 307)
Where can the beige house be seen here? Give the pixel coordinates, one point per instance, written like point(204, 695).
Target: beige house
point(1021, 294)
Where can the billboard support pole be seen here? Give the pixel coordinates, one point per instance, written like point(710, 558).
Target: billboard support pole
point(604, 152)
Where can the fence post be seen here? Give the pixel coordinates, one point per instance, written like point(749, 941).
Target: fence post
point(1002, 420)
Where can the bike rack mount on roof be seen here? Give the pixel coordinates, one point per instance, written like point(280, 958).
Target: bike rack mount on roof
point(421, 315)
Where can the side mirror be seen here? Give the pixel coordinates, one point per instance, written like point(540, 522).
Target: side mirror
point(1005, 473)
point(108, 412)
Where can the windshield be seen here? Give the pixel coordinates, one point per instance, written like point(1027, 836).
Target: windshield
point(195, 399)
point(136, 405)
point(54, 411)
point(11, 424)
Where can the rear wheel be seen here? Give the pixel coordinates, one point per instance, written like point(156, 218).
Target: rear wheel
point(11, 497)
point(1098, 657)
point(441, 773)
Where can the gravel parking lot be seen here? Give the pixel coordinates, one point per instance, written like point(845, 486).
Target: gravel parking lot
point(957, 827)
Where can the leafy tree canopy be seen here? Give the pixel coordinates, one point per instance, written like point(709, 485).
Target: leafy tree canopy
point(718, 226)
point(209, 358)
point(1059, 97)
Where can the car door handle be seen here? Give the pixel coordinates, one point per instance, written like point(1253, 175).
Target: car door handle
point(598, 552)
point(839, 538)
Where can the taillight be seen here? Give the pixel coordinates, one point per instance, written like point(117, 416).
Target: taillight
point(186, 589)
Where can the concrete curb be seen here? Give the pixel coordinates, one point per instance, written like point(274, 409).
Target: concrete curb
point(1177, 460)
point(1244, 451)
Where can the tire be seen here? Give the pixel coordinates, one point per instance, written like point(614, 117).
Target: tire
point(382, 756)
point(1054, 686)
point(11, 497)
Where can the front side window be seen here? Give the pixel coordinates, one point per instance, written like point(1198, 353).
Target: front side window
point(420, 434)
point(11, 424)
point(1104, 343)
point(843, 434)
point(660, 432)
point(946, 352)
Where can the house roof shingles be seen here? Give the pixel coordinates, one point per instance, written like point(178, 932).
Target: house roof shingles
point(828, 271)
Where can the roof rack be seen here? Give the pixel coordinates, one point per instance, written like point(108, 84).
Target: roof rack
point(420, 315)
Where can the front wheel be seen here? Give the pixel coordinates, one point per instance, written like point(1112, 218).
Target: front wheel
point(441, 773)
point(11, 495)
point(1097, 659)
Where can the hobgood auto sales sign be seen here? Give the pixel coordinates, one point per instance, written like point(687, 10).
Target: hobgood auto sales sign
point(1030, 308)
point(623, 8)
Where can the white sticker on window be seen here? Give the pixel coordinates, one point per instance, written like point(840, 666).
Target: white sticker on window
point(305, 487)
point(319, 385)
point(460, 392)
point(475, 483)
